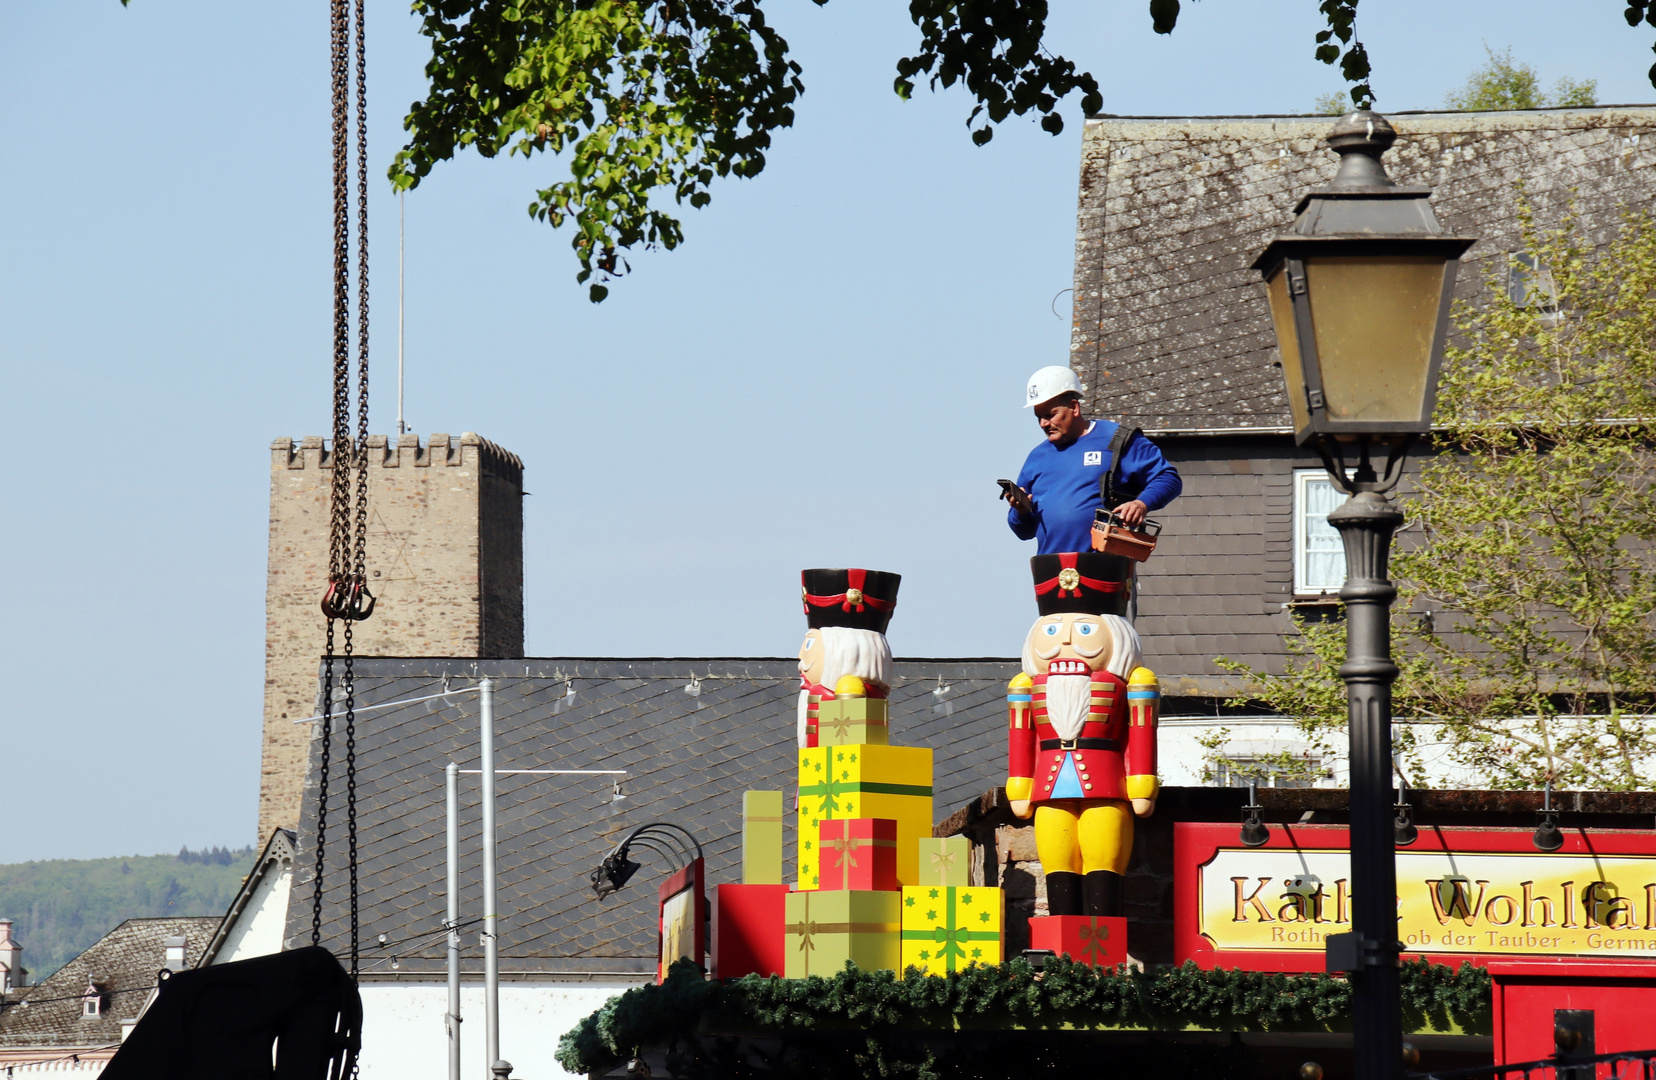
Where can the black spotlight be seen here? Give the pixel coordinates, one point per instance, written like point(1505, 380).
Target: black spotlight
point(1404, 832)
point(1254, 831)
point(1548, 836)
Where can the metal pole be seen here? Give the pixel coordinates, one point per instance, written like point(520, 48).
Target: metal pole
point(491, 941)
point(451, 782)
point(1366, 523)
point(402, 205)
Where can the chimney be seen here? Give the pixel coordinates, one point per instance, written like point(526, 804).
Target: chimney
point(12, 975)
point(175, 961)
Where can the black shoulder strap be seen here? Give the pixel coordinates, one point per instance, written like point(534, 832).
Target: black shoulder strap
point(1112, 476)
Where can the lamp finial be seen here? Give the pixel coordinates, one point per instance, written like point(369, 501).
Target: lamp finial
point(1360, 138)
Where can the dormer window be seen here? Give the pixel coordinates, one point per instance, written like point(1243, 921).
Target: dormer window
point(94, 1001)
point(1530, 285)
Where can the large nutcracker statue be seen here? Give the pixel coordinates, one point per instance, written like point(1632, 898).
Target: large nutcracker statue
point(1082, 717)
point(847, 612)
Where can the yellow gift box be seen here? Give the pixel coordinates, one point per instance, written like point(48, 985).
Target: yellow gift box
point(761, 838)
point(945, 860)
point(850, 721)
point(865, 781)
point(824, 928)
point(948, 927)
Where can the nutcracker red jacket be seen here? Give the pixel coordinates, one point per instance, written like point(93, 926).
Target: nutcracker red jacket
point(1115, 743)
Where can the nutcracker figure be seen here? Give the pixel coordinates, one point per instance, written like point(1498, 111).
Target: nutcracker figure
point(1082, 719)
point(847, 612)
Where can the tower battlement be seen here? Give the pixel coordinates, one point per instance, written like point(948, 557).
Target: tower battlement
point(312, 452)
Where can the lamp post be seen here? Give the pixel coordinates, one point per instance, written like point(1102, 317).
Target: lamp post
point(1359, 290)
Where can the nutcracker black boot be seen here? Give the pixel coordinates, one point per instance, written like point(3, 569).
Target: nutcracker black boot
point(1063, 893)
point(1103, 892)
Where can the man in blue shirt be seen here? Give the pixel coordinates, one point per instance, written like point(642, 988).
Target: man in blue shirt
point(1059, 488)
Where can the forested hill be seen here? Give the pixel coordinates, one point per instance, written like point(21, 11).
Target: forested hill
point(61, 906)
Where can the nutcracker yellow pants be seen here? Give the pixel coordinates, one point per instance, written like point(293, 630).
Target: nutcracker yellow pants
point(1083, 835)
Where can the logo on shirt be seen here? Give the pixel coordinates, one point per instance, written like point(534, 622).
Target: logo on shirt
point(1092, 457)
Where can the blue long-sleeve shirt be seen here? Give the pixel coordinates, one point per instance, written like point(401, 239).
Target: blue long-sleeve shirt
point(1064, 485)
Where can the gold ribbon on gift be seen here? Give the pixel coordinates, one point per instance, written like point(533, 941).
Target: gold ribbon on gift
point(846, 848)
point(1093, 936)
point(806, 929)
point(839, 726)
point(943, 860)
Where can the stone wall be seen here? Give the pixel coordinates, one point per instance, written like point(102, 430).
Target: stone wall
point(445, 560)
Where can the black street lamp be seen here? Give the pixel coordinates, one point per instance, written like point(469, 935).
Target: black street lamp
point(1359, 289)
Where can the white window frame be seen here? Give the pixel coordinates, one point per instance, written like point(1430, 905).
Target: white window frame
point(1303, 586)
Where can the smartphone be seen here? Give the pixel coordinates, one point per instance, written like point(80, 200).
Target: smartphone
point(1006, 486)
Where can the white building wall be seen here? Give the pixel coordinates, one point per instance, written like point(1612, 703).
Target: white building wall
point(403, 1036)
point(258, 929)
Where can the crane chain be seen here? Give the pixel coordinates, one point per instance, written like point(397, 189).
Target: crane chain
point(347, 598)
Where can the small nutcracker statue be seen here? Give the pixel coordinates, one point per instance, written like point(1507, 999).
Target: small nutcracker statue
point(847, 612)
point(1083, 732)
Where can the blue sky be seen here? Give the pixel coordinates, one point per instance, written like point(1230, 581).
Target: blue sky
point(828, 372)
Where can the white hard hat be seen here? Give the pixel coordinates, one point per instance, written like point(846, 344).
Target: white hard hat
point(1048, 383)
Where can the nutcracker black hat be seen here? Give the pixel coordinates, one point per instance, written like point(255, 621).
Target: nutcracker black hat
point(1087, 582)
point(861, 599)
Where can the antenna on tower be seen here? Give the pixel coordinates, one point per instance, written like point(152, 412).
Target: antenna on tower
point(402, 204)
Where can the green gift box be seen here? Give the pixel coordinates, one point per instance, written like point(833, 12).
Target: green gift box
point(945, 860)
point(826, 927)
point(761, 838)
point(851, 721)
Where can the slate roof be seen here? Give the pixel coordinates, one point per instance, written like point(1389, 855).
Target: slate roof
point(690, 757)
point(1171, 329)
point(122, 963)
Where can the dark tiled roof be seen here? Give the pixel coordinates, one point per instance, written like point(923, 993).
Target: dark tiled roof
point(122, 963)
point(690, 758)
point(1171, 328)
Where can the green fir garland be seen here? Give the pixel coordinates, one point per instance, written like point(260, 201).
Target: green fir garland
point(874, 1019)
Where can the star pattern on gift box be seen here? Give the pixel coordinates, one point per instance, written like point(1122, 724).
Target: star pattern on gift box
point(966, 898)
point(925, 954)
point(977, 954)
point(814, 880)
point(983, 916)
point(932, 894)
point(908, 901)
point(932, 915)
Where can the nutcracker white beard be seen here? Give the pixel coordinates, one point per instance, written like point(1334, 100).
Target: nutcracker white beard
point(1068, 703)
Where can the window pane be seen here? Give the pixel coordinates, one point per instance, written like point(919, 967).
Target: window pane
point(1321, 553)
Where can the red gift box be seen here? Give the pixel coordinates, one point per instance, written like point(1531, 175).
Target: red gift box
point(1099, 940)
point(747, 930)
point(858, 853)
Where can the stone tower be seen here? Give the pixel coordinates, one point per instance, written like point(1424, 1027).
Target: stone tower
point(445, 561)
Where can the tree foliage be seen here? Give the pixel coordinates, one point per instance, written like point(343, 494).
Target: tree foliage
point(1526, 626)
point(663, 95)
point(1502, 83)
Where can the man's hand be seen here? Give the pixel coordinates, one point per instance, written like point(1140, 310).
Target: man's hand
point(1021, 809)
point(1132, 513)
point(1141, 807)
point(1020, 499)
